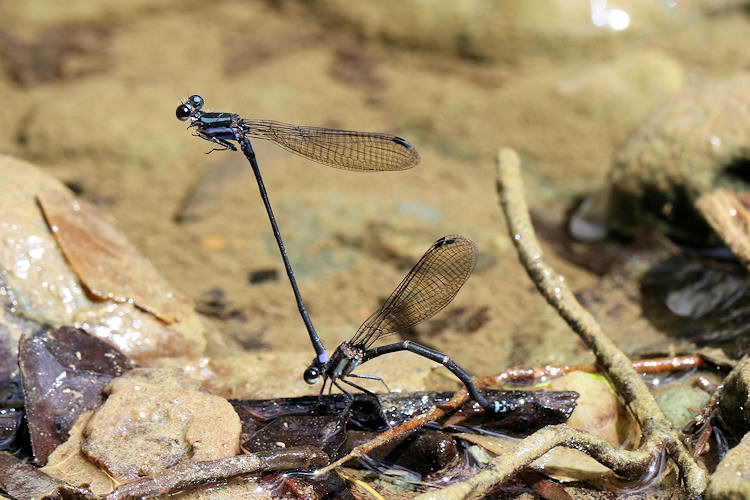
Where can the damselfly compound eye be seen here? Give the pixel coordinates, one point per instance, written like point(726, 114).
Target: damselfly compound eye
point(311, 375)
point(183, 112)
point(195, 101)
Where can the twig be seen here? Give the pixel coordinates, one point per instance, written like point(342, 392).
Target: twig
point(655, 427)
point(533, 375)
point(518, 374)
point(628, 464)
point(728, 216)
point(435, 413)
point(191, 473)
point(657, 431)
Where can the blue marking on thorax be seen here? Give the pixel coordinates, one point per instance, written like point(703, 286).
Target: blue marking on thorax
point(340, 367)
point(222, 118)
point(219, 131)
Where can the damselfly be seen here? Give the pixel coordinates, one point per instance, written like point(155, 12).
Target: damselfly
point(346, 149)
point(430, 286)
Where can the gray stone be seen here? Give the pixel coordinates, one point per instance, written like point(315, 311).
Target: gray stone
point(735, 399)
point(731, 480)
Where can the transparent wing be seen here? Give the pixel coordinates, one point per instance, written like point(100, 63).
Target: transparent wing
point(430, 285)
point(346, 149)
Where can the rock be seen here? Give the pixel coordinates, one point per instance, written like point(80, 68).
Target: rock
point(735, 399)
point(696, 141)
point(99, 291)
point(70, 465)
point(679, 402)
point(42, 285)
point(156, 418)
point(731, 480)
point(598, 410)
point(625, 90)
point(107, 264)
point(140, 335)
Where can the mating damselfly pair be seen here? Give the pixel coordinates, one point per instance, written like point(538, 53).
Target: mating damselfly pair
point(430, 285)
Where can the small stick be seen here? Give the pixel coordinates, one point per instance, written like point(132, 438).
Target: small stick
point(523, 374)
point(433, 414)
point(628, 464)
point(727, 215)
point(531, 375)
point(613, 362)
point(191, 473)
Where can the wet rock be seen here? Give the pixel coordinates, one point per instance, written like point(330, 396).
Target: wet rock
point(735, 400)
point(696, 141)
point(105, 261)
point(38, 284)
point(731, 480)
point(12, 329)
point(140, 335)
point(598, 410)
point(43, 286)
point(69, 464)
point(156, 418)
point(679, 402)
point(8, 359)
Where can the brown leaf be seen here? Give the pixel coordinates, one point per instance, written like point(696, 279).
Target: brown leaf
point(63, 373)
point(106, 262)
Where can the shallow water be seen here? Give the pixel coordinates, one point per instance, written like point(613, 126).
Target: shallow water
point(90, 91)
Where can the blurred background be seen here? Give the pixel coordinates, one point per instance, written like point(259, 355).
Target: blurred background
point(89, 92)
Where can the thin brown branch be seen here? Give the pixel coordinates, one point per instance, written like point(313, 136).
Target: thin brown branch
point(533, 375)
point(627, 464)
point(191, 473)
point(435, 413)
point(613, 362)
point(730, 218)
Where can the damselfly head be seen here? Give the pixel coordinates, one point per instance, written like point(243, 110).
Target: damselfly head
point(193, 104)
point(312, 374)
point(195, 101)
point(183, 112)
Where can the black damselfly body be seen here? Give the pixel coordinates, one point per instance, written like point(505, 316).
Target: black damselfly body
point(430, 286)
point(345, 149)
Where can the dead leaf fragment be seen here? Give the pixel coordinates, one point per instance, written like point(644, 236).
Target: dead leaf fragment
point(106, 262)
point(728, 215)
point(63, 374)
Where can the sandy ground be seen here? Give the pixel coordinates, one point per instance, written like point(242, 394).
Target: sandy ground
point(90, 90)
